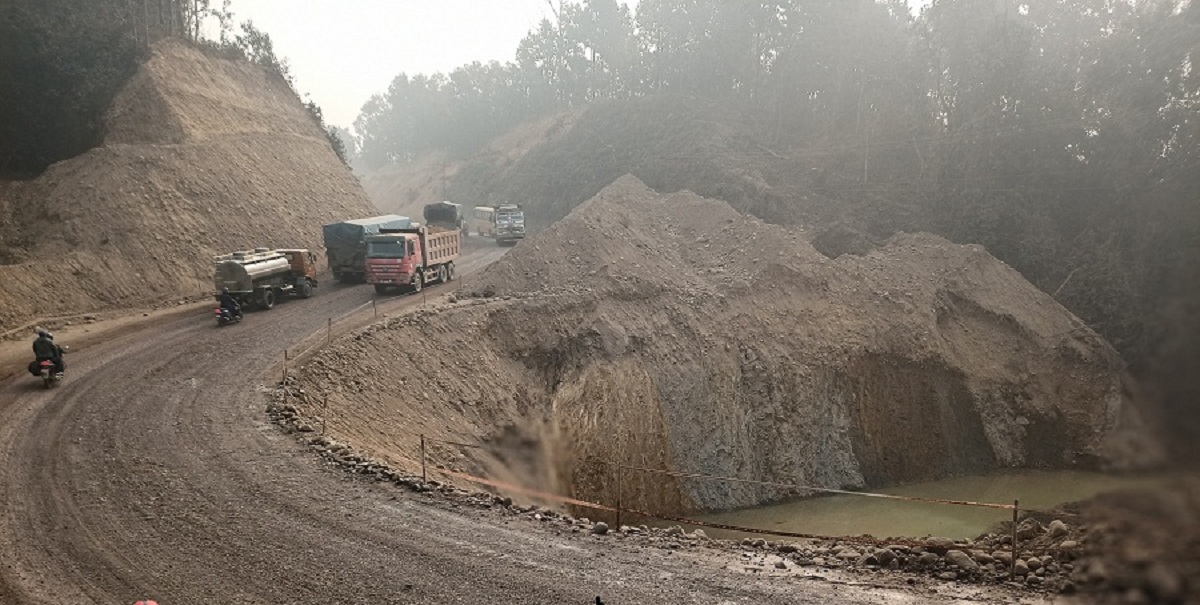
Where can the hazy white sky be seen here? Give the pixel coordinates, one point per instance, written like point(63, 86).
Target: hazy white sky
point(343, 51)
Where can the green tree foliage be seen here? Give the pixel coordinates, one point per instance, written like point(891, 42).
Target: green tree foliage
point(62, 64)
point(1061, 135)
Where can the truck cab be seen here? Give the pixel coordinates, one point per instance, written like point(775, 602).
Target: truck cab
point(410, 258)
point(510, 224)
point(392, 259)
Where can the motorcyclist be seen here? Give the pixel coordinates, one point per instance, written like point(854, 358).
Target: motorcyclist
point(229, 303)
point(44, 348)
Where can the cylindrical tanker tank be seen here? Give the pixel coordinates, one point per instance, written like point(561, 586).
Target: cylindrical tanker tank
point(240, 272)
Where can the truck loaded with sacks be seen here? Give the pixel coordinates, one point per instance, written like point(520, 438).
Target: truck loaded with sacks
point(408, 259)
point(258, 278)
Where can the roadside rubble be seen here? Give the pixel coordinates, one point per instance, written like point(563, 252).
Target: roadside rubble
point(1055, 556)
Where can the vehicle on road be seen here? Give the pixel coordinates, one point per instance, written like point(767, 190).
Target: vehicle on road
point(226, 317)
point(445, 215)
point(346, 244)
point(408, 259)
point(45, 370)
point(505, 222)
point(48, 376)
point(258, 278)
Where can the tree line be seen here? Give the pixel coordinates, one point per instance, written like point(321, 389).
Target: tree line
point(63, 61)
point(1061, 135)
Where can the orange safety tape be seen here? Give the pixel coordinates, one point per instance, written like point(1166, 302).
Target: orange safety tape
point(511, 487)
point(826, 490)
point(468, 445)
point(811, 488)
point(685, 520)
point(524, 490)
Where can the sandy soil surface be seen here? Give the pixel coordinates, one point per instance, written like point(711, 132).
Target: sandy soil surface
point(152, 472)
point(202, 156)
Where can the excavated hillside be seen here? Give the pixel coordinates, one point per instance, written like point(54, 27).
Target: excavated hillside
point(405, 188)
point(201, 156)
point(670, 330)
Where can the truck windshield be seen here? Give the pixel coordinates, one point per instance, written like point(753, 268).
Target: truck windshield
point(392, 249)
point(515, 218)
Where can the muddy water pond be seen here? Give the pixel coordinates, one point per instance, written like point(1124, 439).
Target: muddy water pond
point(839, 515)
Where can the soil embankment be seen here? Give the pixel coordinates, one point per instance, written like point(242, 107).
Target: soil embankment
point(670, 331)
point(201, 156)
point(405, 188)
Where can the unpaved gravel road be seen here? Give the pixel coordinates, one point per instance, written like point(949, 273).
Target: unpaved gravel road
point(152, 472)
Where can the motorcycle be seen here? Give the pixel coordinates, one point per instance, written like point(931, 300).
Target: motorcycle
point(46, 372)
point(225, 316)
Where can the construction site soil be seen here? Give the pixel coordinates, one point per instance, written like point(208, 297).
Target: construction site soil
point(671, 332)
point(655, 330)
point(201, 156)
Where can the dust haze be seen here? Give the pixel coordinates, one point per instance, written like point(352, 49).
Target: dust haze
point(765, 249)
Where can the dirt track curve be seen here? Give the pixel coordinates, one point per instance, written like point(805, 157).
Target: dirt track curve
point(152, 472)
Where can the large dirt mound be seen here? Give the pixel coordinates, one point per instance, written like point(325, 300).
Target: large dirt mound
point(202, 156)
point(671, 330)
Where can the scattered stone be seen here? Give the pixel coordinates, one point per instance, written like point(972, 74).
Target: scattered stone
point(600, 528)
point(884, 556)
point(1028, 529)
point(788, 548)
point(939, 545)
point(961, 560)
point(1057, 529)
point(1020, 569)
point(780, 564)
point(849, 554)
point(927, 559)
point(948, 576)
point(981, 557)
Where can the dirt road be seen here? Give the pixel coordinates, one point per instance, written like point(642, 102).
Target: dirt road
point(152, 472)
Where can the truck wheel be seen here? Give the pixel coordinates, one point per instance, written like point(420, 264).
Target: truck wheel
point(268, 299)
point(442, 274)
point(304, 289)
point(416, 283)
point(449, 272)
point(381, 289)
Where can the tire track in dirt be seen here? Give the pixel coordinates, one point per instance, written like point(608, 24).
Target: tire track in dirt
point(153, 472)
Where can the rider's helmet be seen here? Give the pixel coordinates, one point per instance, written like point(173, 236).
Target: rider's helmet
point(224, 290)
point(42, 332)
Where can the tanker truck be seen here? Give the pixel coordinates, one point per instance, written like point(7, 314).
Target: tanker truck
point(346, 244)
point(259, 277)
point(410, 258)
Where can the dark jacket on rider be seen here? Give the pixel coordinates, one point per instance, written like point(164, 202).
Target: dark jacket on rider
point(45, 348)
point(231, 303)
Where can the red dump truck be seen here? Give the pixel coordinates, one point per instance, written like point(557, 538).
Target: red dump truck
point(409, 259)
